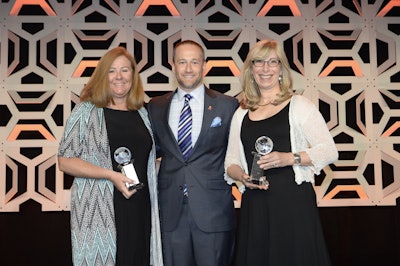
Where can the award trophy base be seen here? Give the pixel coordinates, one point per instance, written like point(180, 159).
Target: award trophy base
point(262, 181)
point(134, 186)
point(257, 174)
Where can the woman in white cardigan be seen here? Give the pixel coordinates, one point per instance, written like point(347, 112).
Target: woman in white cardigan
point(279, 220)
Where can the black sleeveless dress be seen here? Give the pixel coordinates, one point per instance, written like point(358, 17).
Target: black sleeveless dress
point(280, 226)
point(132, 216)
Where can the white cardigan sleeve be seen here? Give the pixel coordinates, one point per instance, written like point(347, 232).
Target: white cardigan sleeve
point(309, 133)
point(235, 152)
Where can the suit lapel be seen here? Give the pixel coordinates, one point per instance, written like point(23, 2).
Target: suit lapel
point(208, 115)
point(165, 114)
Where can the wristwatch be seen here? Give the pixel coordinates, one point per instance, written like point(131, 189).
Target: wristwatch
point(297, 159)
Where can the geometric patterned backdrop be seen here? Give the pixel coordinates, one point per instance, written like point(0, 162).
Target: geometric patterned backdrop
point(345, 57)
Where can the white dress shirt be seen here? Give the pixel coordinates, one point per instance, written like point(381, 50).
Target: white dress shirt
point(197, 107)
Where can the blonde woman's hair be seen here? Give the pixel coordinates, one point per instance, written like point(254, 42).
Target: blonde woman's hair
point(251, 91)
point(97, 90)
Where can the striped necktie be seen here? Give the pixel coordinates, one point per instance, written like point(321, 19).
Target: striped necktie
point(185, 128)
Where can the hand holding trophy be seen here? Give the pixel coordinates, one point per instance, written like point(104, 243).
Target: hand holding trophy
point(123, 156)
point(263, 145)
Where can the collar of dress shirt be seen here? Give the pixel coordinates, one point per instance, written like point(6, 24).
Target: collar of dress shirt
point(197, 93)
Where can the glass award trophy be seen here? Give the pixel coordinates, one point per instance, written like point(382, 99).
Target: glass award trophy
point(123, 157)
point(263, 145)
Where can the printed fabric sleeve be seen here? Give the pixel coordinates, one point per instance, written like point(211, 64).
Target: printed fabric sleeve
point(71, 142)
point(155, 238)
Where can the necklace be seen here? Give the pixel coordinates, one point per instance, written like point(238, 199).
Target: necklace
point(265, 104)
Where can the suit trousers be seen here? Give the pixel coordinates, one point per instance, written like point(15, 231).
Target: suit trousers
point(187, 245)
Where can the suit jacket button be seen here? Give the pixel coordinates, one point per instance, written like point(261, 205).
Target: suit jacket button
point(180, 187)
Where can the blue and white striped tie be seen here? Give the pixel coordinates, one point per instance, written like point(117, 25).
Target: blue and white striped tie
point(185, 132)
point(185, 128)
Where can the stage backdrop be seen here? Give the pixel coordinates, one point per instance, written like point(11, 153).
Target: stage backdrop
point(344, 55)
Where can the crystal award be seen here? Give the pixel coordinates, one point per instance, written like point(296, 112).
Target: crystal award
point(123, 156)
point(263, 145)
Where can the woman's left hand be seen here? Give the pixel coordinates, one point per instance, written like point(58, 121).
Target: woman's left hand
point(275, 159)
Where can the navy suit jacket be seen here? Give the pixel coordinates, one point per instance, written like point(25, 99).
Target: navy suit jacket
point(210, 197)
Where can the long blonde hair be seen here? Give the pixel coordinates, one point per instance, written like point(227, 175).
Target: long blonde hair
point(261, 50)
point(97, 90)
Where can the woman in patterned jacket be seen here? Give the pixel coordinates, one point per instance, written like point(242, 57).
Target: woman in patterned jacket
point(110, 223)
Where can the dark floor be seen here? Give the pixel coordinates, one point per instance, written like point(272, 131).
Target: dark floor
point(367, 236)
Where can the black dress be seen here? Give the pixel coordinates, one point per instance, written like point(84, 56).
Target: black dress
point(132, 216)
point(279, 226)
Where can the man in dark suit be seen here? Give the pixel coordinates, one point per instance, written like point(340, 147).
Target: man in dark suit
point(196, 205)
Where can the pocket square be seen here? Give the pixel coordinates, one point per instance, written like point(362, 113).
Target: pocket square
point(217, 122)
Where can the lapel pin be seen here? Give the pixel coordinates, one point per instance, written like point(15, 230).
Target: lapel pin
point(209, 107)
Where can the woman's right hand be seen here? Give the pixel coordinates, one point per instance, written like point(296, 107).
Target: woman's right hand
point(247, 182)
point(78, 167)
